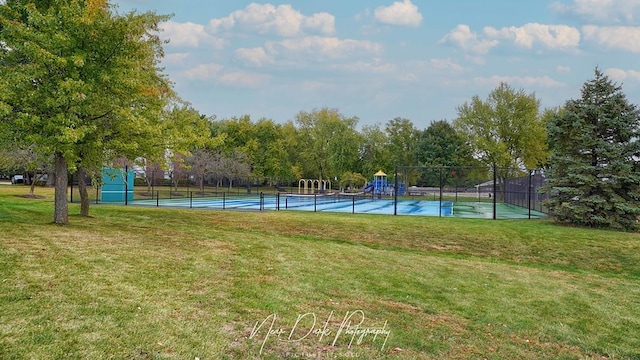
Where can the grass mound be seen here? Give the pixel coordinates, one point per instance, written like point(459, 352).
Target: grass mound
point(142, 283)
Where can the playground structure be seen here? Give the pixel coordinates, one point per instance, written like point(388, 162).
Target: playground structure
point(380, 186)
point(313, 186)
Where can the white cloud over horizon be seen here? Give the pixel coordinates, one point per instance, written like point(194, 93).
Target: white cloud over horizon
point(621, 75)
point(601, 11)
point(403, 13)
point(469, 41)
point(203, 71)
point(190, 34)
point(282, 20)
point(614, 37)
point(541, 81)
point(559, 37)
point(529, 36)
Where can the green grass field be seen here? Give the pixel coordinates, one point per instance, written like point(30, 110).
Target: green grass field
point(140, 283)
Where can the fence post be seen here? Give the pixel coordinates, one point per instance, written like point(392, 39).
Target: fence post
point(190, 199)
point(126, 185)
point(223, 201)
point(495, 190)
point(278, 201)
point(353, 204)
point(529, 192)
point(261, 201)
point(440, 202)
point(158, 199)
point(153, 183)
point(456, 181)
point(395, 190)
point(315, 202)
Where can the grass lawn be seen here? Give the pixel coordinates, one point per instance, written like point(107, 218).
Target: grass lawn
point(141, 283)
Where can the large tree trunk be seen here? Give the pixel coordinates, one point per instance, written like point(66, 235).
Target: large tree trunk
point(61, 206)
point(84, 194)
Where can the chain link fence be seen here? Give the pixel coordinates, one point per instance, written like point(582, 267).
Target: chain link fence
point(468, 192)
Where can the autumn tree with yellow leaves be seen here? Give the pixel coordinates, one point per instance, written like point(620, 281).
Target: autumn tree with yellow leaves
point(81, 83)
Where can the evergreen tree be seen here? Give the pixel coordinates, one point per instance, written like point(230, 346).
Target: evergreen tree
point(595, 146)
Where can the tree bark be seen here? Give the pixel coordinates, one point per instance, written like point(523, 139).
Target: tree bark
point(61, 205)
point(84, 194)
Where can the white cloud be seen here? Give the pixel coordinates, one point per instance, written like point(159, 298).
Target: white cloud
point(256, 56)
point(469, 41)
point(320, 48)
point(614, 37)
point(548, 36)
point(323, 22)
point(563, 69)
point(375, 67)
point(601, 11)
point(528, 36)
point(446, 65)
point(282, 20)
point(526, 81)
point(399, 13)
point(243, 79)
point(203, 72)
point(190, 35)
point(620, 75)
point(176, 58)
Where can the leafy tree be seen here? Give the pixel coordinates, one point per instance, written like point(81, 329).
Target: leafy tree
point(235, 167)
point(401, 148)
point(595, 158)
point(153, 174)
point(85, 84)
point(187, 132)
point(505, 130)
point(402, 142)
point(441, 145)
point(352, 180)
point(329, 143)
point(282, 155)
point(374, 150)
point(201, 164)
point(266, 145)
point(33, 167)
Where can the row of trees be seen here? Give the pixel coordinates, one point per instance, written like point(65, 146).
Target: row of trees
point(81, 87)
point(321, 144)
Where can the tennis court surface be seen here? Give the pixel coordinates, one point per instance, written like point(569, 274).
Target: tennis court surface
point(348, 204)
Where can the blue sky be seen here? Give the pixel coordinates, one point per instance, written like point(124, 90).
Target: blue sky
point(382, 59)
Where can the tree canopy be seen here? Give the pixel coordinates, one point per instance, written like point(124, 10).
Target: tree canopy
point(329, 142)
point(86, 86)
point(595, 158)
point(441, 145)
point(504, 130)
